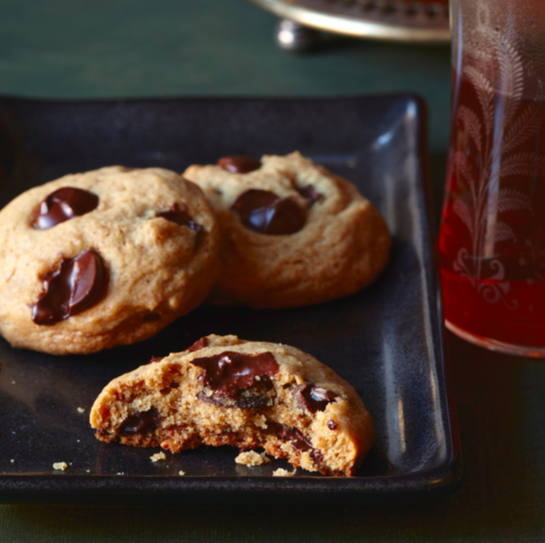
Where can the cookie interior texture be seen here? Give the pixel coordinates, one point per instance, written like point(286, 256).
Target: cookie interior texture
point(226, 391)
point(339, 244)
point(154, 244)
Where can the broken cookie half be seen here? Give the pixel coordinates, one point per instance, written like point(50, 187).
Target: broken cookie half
point(227, 391)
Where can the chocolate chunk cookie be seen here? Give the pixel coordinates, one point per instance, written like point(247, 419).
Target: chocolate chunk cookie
point(293, 233)
point(103, 258)
point(226, 391)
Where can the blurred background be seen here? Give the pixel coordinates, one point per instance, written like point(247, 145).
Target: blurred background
point(74, 49)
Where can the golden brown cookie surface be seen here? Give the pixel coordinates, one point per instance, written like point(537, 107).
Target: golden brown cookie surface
point(226, 391)
point(103, 258)
point(293, 233)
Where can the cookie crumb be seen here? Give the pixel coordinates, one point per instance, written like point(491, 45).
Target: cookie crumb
point(120, 473)
point(158, 456)
point(13, 382)
point(12, 460)
point(61, 466)
point(281, 472)
point(252, 458)
point(181, 472)
point(81, 410)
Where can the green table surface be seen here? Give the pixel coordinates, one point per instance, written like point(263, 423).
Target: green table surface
point(129, 48)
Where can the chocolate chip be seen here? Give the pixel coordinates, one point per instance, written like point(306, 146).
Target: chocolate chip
point(264, 212)
point(63, 204)
point(75, 285)
point(298, 441)
point(228, 373)
point(331, 424)
point(178, 214)
point(315, 398)
point(258, 396)
point(310, 195)
point(199, 344)
point(239, 164)
point(140, 423)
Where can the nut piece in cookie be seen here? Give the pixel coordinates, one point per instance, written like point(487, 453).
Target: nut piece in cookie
point(226, 391)
point(103, 258)
point(293, 233)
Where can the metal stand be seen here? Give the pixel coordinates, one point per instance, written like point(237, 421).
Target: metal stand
point(397, 20)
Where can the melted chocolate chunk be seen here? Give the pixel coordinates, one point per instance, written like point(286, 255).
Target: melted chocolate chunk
point(64, 204)
point(178, 214)
point(228, 373)
point(258, 396)
point(239, 164)
point(140, 423)
point(264, 212)
point(244, 402)
point(298, 441)
point(199, 344)
point(310, 195)
point(315, 398)
point(331, 424)
point(76, 285)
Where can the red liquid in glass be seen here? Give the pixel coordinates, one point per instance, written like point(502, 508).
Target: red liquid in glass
point(492, 241)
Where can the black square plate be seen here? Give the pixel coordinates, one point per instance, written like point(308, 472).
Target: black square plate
point(386, 340)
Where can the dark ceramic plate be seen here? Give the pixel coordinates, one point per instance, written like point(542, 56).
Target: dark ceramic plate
point(386, 340)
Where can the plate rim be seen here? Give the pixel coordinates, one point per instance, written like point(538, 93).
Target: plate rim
point(426, 483)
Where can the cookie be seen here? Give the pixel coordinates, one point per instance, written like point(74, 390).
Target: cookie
point(293, 233)
point(103, 258)
point(226, 391)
